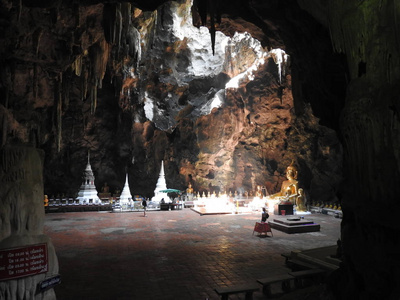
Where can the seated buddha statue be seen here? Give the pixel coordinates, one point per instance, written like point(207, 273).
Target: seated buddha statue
point(189, 190)
point(259, 192)
point(289, 187)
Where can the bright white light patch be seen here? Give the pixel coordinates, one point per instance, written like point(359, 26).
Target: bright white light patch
point(280, 57)
point(217, 100)
point(202, 60)
point(148, 107)
point(246, 39)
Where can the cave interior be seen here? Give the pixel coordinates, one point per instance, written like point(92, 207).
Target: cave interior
point(226, 93)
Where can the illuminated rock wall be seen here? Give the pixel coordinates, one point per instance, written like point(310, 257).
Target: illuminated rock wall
point(230, 118)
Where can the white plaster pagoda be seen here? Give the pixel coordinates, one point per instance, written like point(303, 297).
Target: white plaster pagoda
point(88, 193)
point(125, 196)
point(161, 185)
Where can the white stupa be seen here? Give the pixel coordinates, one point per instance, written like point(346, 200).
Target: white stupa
point(125, 196)
point(88, 193)
point(161, 185)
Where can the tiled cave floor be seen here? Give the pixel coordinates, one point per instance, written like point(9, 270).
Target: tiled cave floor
point(170, 254)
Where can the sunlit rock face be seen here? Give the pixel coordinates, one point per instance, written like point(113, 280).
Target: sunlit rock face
point(230, 116)
point(178, 67)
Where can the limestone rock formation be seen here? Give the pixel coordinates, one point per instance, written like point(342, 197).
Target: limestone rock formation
point(21, 219)
point(166, 96)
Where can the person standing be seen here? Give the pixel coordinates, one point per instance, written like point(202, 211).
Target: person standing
point(144, 204)
point(264, 215)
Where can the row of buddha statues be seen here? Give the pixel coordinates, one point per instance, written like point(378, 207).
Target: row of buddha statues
point(289, 192)
point(214, 194)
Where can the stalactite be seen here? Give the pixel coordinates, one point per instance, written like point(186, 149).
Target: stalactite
point(38, 134)
point(119, 23)
point(84, 84)
point(77, 65)
point(389, 67)
point(211, 8)
point(212, 26)
point(98, 55)
point(7, 77)
point(35, 82)
point(114, 28)
point(59, 113)
point(100, 63)
point(201, 7)
point(37, 36)
point(66, 90)
point(77, 14)
point(7, 97)
point(108, 22)
point(126, 14)
point(93, 97)
point(19, 10)
point(4, 130)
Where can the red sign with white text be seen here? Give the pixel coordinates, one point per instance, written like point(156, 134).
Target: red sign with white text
point(23, 261)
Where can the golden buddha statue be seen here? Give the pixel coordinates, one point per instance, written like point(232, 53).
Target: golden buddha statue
point(189, 190)
point(289, 188)
point(259, 192)
point(300, 201)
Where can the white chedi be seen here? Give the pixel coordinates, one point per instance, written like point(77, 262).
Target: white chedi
point(161, 185)
point(125, 196)
point(88, 193)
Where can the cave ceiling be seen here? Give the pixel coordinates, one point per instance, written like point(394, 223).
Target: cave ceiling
point(228, 94)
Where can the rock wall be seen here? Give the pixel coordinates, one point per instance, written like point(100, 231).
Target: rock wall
point(135, 87)
point(366, 32)
point(370, 127)
point(21, 219)
point(229, 117)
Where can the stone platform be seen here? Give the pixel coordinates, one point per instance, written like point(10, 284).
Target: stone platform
point(294, 225)
point(210, 211)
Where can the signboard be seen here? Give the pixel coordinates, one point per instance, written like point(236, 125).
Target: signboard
point(23, 261)
point(49, 283)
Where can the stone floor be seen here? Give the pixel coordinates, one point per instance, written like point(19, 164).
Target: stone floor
point(170, 254)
